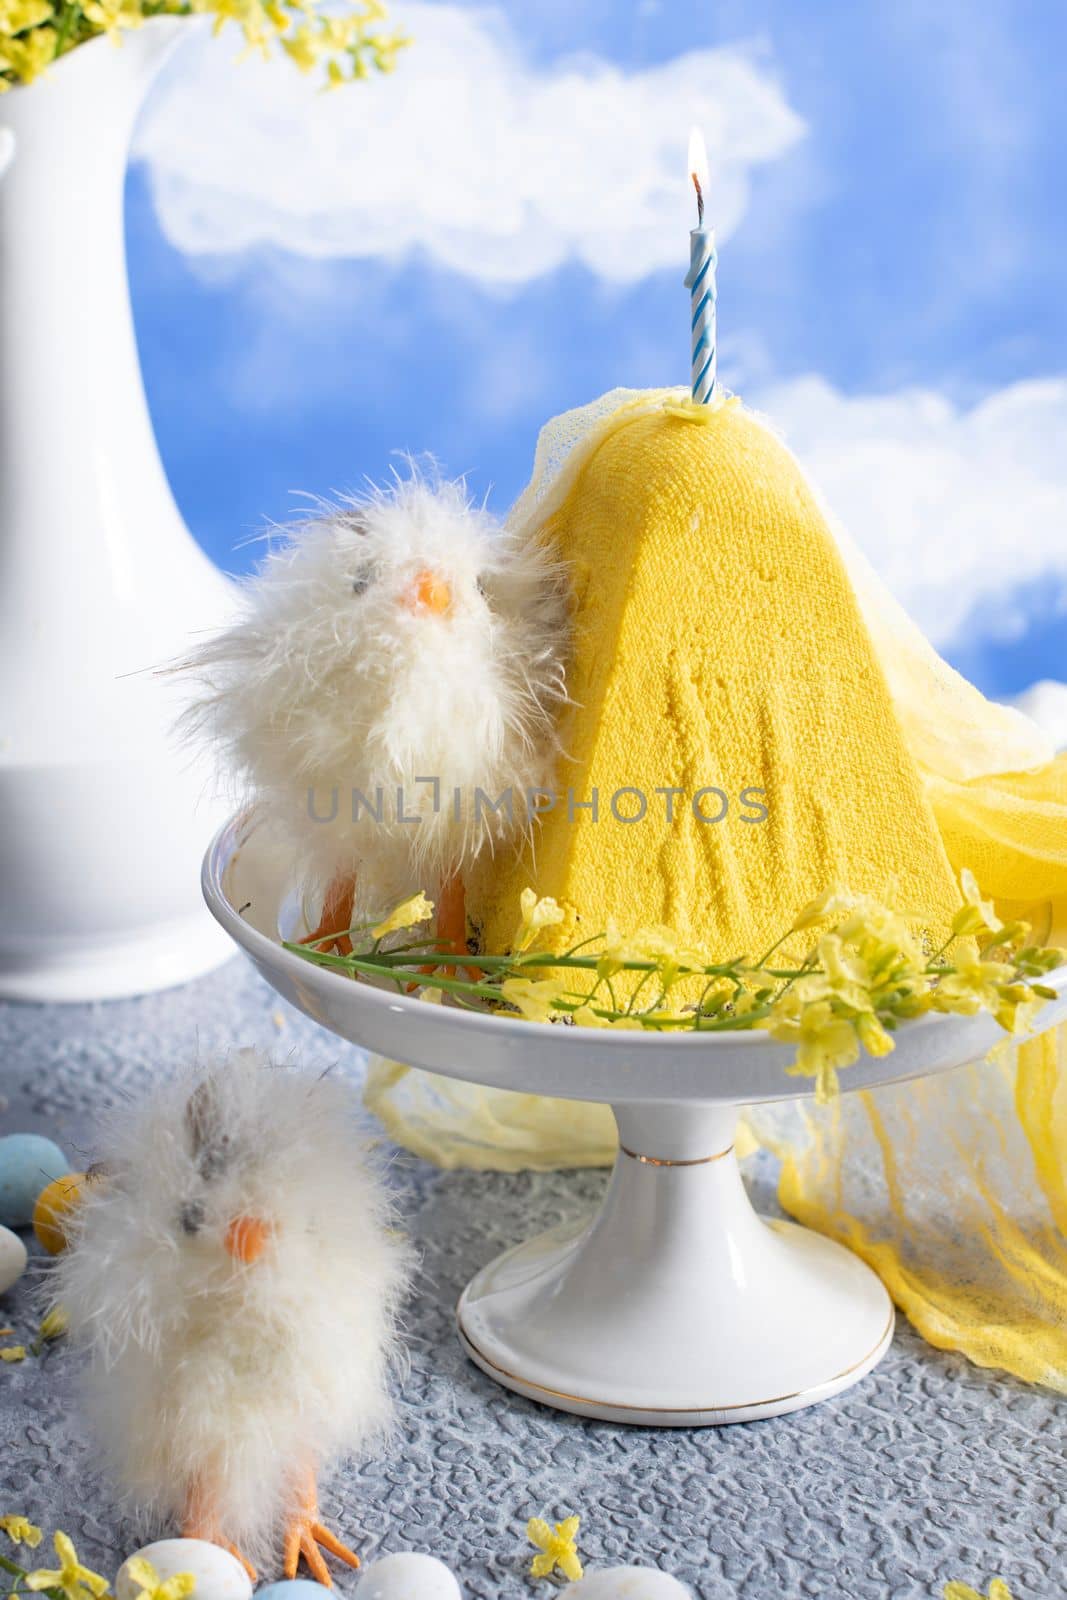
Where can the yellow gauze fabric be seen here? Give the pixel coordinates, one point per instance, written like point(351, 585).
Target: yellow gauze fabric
point(953, 1188)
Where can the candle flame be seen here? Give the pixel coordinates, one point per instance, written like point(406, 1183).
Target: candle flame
point(698, 168)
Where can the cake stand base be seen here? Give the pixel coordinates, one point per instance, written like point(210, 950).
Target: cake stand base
point(676, 1306)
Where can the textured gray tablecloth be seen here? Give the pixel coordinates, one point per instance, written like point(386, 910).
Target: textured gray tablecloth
point(928, 1470)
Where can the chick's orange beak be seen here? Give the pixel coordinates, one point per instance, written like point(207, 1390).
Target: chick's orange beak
point(428, 592)
point(247, 1238)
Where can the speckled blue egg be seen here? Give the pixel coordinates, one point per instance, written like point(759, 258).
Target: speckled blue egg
point(28, 1164)
point(293, 1589)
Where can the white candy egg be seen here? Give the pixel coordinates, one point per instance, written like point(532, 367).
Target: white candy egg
point(406, 1577)
point(12, 1258)
point(628, 1583)
point(219, 1576)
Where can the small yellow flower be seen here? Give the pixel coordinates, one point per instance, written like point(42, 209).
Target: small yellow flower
point(111, 16)
point(54, 1324)
point(829, 904)
point(536, 914)
point(76, 1581)
point(534, 997)
point(824, 1040)
point(13, 1352)
point(153, 1587)
point(873, 1036)
point(415, 909)
point(975, 915)
point(304, 47)
point(845, 976)
point(1017, 1007)
point(998, 1590)
point(20, 1530)
point(586, 1017)
point(558, 1548)
point(336, 32)
point(657, 945)
point(386, 48)
point(974, 986)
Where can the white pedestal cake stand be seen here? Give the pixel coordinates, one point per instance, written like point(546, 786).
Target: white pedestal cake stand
point(676, 1305)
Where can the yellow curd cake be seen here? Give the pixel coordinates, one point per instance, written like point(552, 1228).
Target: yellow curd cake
point(720, 665)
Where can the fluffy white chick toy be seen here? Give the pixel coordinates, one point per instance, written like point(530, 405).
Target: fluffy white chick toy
point(397, 670)
point(236, 1281)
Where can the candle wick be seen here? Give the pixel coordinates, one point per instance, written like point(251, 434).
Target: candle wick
point(700, 200)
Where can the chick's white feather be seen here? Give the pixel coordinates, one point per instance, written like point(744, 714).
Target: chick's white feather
point(214, 1378)
point(345, 709)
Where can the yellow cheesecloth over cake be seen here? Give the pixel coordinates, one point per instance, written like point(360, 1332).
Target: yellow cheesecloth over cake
point(730, 635)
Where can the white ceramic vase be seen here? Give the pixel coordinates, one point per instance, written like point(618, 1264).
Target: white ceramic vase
point(103, 818)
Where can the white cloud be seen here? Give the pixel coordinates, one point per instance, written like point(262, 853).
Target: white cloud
point(499, 168)
point(1046, 703)
point(958, 510)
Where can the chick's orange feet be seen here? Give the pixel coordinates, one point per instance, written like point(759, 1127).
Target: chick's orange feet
point(201, 1521)
point(452, 925)
point(306, 1536)
point(335, 918)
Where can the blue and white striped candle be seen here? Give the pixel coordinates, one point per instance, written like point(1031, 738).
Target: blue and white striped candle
point(701, 281)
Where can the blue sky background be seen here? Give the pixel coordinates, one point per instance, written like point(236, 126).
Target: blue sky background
point(912, 240)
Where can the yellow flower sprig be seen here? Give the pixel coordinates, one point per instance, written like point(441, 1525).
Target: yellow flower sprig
point(846, 993)
point(54, 1325)
point(558, 1548)
point(153, 1587)
point(998, 1590)
point(70, 1578)
point(344, 46)
point(20, 1530)
point(69, 1581)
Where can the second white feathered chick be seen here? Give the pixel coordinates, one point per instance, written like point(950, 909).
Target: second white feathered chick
point(236, 1282)
point(398, 657)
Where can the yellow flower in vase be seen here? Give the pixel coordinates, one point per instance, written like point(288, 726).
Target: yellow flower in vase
point(28, 56)
point(17, 15)
point(305, 47)
point(112, 16)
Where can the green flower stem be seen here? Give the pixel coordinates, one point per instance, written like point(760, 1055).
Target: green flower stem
point(513, 963)
point(396, 975)
point(68, 21)
point(20, 1573)
point(751, 1019)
